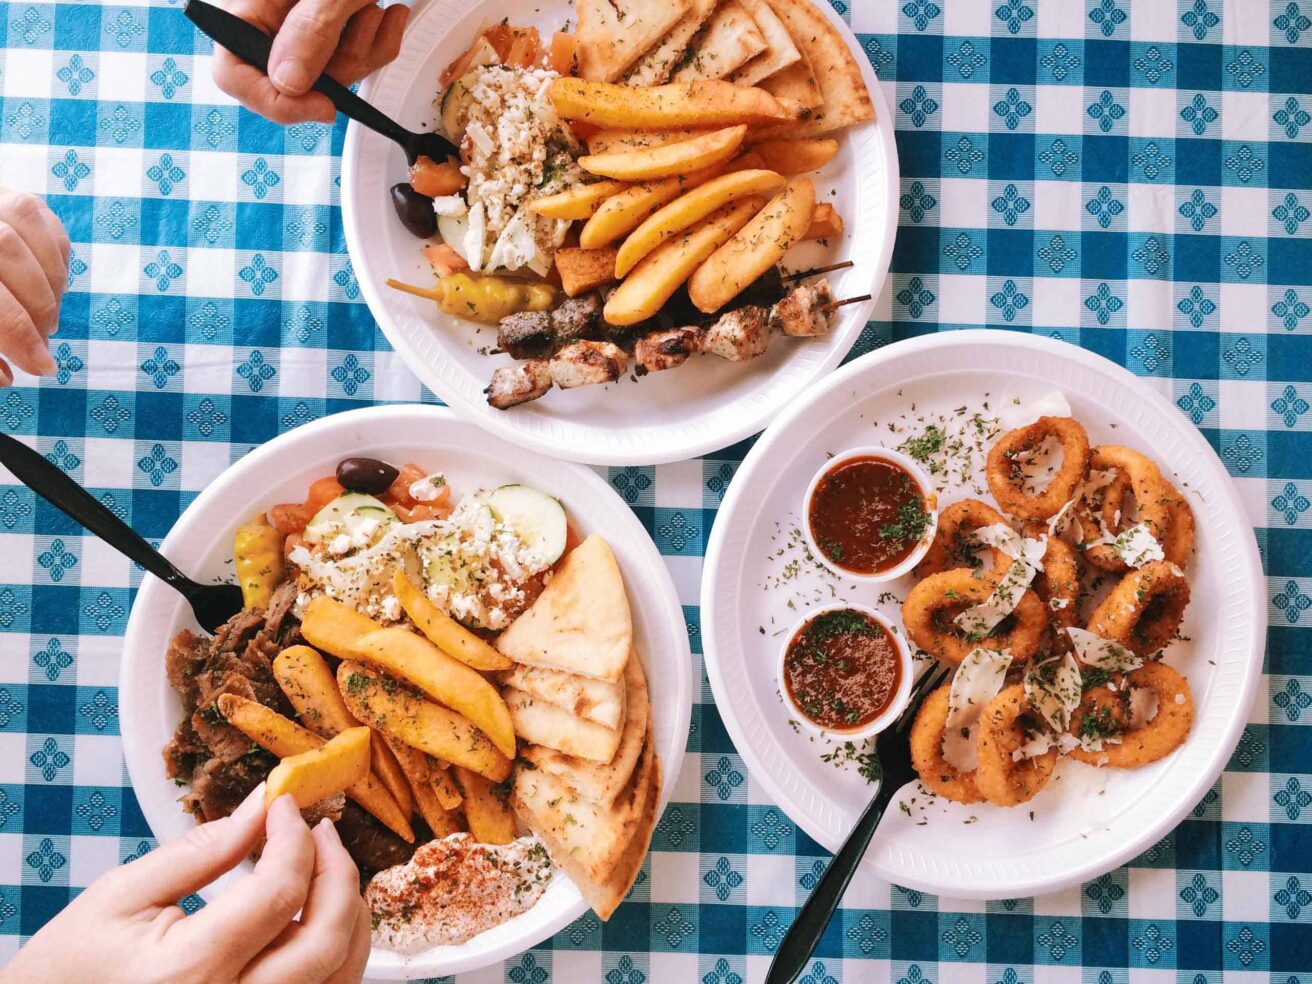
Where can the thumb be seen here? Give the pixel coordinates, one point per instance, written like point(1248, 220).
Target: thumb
point(177, 869)
point(306, 41)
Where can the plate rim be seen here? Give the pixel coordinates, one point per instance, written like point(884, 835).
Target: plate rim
point(1251, 560)
point(137, 756)
point(731, 427)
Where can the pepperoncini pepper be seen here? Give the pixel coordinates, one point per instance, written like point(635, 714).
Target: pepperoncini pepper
point(484, 297)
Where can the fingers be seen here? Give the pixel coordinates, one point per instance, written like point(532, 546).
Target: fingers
point(350, 62)
point(321, 943)
point(252, 913)
point(42, 233)
point(20, 339)
point(252, 88)
point(306, 41)
point(21, 272)
point(177, 869)
point(387, 43)
point(352, 970)
point(6, 374)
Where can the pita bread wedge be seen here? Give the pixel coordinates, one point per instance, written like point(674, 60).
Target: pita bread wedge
point(843, 90)
point(587, 839)
point(605, 899)
point(795, 87)
point(656, 66)
point(729, 39)
point(541, 723)
point(581, 622)
point(613, 34)
point(602, 783)
point(593, 700)
point(780, 51)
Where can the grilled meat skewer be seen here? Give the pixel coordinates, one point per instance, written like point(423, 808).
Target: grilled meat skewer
point(581, 363)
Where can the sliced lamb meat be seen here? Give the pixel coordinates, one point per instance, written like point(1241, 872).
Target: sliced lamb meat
point(222, 739)
point(218, 787)
point(372, 845)
point(184, 661)
point(185, 752)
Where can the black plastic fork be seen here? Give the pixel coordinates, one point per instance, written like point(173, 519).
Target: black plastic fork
point(252, 46)
point(893, 752)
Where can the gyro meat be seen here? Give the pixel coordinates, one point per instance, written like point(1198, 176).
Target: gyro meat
point(577, 318)
point(587, 363)
point(739, 335)
point(667, 349)
point(520, 383)
point(805, 310)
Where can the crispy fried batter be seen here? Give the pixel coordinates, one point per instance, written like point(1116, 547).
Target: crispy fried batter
point(927, 614)
point(1004, 471)
point(1144, 610)
point(954, 544)
point(1002, 780)
point(937, 775)
point(1162, 735)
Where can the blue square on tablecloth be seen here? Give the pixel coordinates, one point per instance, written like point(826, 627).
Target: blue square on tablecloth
point(1106, 159)
point(77, 27)
point(1290, 947)
point(1103, 941)
point(1106, 63)
point(163, 122)
point(1012, 61)
point(919, 152)
point(1198, 162)
point(1198, 66)
point(1291, 69)
point(1291, 261)
point(73, 122)
point(37, 904)
point(920, 57)
point(170, 31)
point(47, 806)
point(1011, 156)
point(1198, 944)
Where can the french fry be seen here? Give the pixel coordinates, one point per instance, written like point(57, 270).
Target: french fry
point(490, 819)
point(445, 632)
point(582, 270)
point(448, 793)
point(283, 737)
point(756, 247)
point(606, 141)
point(826, 223)
point(622, 213)
point(578, 202)
point(690, 208)
point(257, 555)
point(650, 163)
point(704, 103)
point(661, 271)
point(418, 770)
point(382, 703)
point(790, 157)
point(311, 688)
point(412, 658)
point(334, 627)
point(318, 773)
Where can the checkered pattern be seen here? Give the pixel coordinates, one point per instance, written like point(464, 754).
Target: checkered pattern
point(1135, 178)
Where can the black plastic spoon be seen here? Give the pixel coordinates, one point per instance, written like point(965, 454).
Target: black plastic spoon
point(252, 46)
point(213, 604)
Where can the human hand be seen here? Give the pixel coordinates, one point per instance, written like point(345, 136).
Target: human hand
point(33, 271)
point(350, 38)
point(127, 927)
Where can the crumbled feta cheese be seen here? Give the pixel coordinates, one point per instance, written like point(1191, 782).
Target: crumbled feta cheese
point(340, 544)
point(450, 205)
point(428, 488)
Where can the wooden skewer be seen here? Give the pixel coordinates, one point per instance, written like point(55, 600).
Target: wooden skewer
point(846, 300)
point(818, 270)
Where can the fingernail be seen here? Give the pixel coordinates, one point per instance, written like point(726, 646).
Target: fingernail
point(45, 364)
point(251, 805)
point(330, 829)
point(291, 75)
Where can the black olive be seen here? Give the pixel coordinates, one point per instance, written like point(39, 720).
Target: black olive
point(365, 475)
point(414, 210)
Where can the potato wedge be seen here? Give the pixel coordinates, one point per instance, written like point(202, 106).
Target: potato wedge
point(582, 270)
point(704, 103)
point(314, 775)
point(283, 737)
point(448, 793)
point(418, 770)
point(310, 686)
point(826, 223)
point(334, 627)
point(382, 703)
point(758, 245)
point(412, 658)
point(490, 819)
point(578, 202)
point(791, 157)
point(609, 141)
point(443, 631)
point(690, 208)
point(661, 271)
point(650, 163)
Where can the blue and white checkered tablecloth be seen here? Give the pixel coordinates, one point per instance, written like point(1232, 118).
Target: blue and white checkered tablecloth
point(1135, 178)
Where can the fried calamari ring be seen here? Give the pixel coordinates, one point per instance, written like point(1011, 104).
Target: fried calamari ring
point(1005, 474)
point(1144, 610)
point(954, 544)
point(936, 774)
point(1002, 780)
point(1058, 586)
point(1108, 506)
point(1162, 735)
point(1153, 497)
point(1178, 541)
point(931, 605)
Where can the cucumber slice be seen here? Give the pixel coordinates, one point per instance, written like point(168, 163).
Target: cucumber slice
point(352, 514)
point(536, 517)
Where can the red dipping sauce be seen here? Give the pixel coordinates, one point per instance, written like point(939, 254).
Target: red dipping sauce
point(868, 514)
point(842, 669)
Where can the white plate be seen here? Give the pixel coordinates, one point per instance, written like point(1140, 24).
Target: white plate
point(704, 405)
point(1087, 821)
point(280, 471)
